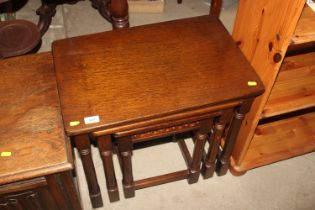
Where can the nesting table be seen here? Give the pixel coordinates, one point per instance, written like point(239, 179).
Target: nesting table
point(137, 84)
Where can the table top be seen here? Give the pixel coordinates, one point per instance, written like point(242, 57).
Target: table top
point(129, 75)
point(32, 138)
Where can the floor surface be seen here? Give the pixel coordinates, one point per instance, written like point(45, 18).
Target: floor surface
point(285, 185)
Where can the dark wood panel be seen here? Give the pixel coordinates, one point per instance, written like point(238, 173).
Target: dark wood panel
point(31, 124)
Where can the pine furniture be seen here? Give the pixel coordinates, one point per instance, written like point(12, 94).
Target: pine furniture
point(277, 37)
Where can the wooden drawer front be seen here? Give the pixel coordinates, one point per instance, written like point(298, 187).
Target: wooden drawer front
point(37, 199)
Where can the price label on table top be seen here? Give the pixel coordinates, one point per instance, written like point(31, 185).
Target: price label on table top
point(92, 119)
point(5, 154)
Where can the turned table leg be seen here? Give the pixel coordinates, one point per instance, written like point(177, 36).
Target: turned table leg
point(223, 162)
point(119, 14)
point(200, 140)
point(208, 167)
point(46, 12)
point(106, 151)
point(83, 145)
point(125, 150)
point(115, 11)
point(215, 7)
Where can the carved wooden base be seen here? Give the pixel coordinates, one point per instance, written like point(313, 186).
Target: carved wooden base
point(52, 192)
point(46, 12)
point(114, 11)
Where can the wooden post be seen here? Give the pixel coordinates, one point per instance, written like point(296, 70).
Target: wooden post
point(106, 151)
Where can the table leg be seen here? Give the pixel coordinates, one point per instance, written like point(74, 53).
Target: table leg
point(208, 167)
point(200, 140)
point(106, 151)
point(83, 145)
point(119, 14)
point(125, 150)
point(215, 7)
point(223, 162)
point(46, 12)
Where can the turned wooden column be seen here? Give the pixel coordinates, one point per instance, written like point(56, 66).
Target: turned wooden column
point(125, 151)
point(83, 145)
point(119, 14)
point(200, 140)
point(215, 7)
point(46, 12)
point(223, 162)
point(106, 151)
point(208, 167)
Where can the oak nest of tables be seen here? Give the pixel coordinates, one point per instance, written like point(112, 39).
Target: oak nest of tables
point(137, 84)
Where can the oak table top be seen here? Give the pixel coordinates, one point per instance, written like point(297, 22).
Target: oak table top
point(32, 139)
point(141, 73)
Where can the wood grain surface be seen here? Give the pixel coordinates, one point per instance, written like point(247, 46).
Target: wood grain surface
point(264, 47)
point(304, 31)
point(280, 140)
point(31, 124)
point(294, 88)
point(124, 77)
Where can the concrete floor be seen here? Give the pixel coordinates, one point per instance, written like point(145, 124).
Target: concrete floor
point(285, 185)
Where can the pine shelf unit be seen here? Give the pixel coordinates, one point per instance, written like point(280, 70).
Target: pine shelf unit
point(305, 29)
point(294, 88)
point(281, 124)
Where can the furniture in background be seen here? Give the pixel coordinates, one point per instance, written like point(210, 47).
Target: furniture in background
point(114, 11)
point(132, 89)
point(35, 155)
point(281, 123)
point(18, 37)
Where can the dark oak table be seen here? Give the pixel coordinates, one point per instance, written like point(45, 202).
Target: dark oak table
point(36, 159)
point(138, 82)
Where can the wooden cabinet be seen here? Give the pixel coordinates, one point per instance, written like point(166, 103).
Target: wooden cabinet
point(35, 155)
point(278, 38)
point(52, 192)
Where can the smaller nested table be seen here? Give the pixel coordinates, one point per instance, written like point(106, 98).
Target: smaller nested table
point(145, 82)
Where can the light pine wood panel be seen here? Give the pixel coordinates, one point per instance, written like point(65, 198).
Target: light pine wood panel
point(280, 140)
point(305, 29)
point(263, 30)
point(295, 86)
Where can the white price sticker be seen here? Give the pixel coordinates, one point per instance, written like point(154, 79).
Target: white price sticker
point(92, 119)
